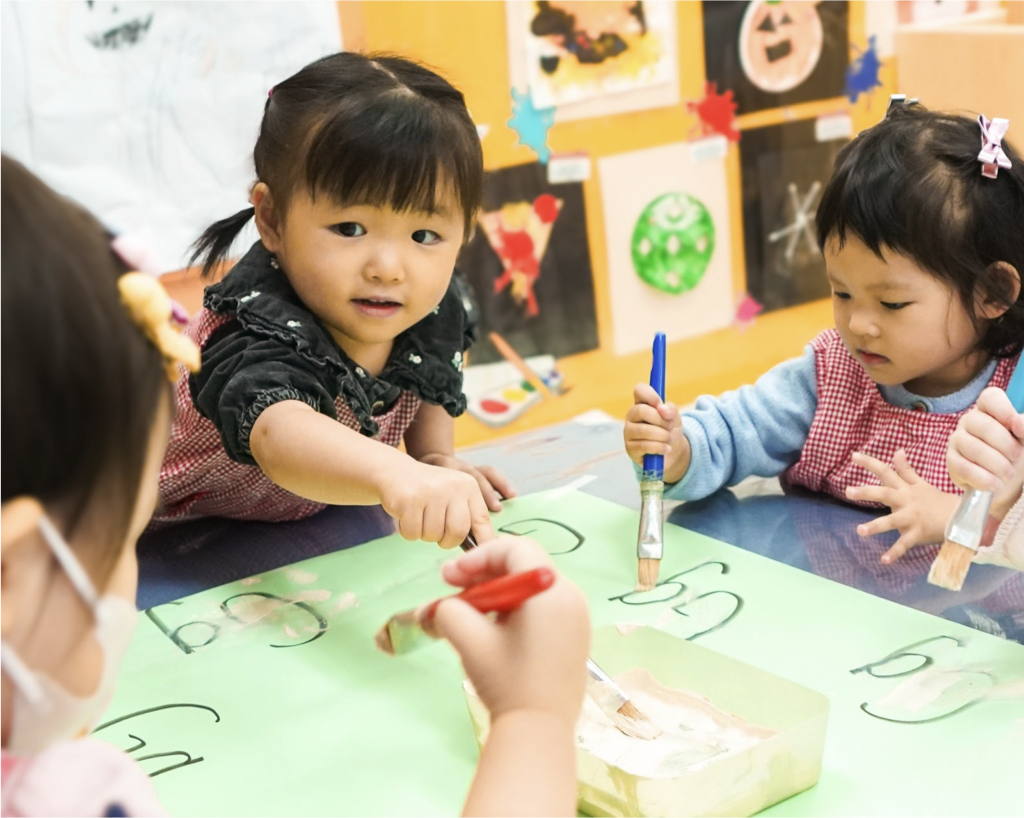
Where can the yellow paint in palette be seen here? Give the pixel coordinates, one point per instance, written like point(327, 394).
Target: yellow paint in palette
point(501, 406)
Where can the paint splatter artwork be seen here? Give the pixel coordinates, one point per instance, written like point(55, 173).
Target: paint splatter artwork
point(579, 50)
point(529, 266)
point(531, 124)
point(784, 171)
point(716, 113)
point(519, 234)
point(772, 54)
point(862, 75)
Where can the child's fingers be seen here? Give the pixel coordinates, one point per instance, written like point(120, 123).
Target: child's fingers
point(870, 494)
point(984, 462)
point(994, 402)
point(456, 525)
point(989, 431)
point(503, 555)
point(487, 491)
point(643, 415)
point(877, 526)
point(646, 433)
point(901, 464)
point(434, 517)
point(500, 483)
point(645, 393)
point(470, 632)
point(883, 472)
point(901, 547)
point(480, 520)
point(410, 524)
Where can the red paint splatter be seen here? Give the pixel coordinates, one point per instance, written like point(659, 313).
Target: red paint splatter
point(494, 407)
point(717, 112)
point(546, 208)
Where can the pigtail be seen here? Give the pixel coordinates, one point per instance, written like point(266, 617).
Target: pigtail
point(215, 243)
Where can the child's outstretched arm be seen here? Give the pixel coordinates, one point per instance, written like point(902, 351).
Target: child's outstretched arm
point(431, 439)
point(530, 671)
point(315, 457)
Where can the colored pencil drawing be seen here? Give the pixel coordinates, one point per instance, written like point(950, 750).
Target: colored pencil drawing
point(577, 50)
point(773, 54)
point(529, 266)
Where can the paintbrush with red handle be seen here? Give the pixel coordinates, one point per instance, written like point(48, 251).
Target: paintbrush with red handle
point(410, 629)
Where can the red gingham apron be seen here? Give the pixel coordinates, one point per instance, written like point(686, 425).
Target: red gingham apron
point(198, 479)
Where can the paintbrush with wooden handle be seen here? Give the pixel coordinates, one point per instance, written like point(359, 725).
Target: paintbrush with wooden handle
point(965, 527)
point(615, 703)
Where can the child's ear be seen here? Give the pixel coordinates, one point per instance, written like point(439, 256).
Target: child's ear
point(1006, 283)
point(268, 222)
point(19, 522)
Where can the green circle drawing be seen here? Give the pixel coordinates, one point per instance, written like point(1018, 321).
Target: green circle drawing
point(672, 243)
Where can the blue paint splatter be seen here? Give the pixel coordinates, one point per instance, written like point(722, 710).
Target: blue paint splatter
point(862, 73)
point(532, 124)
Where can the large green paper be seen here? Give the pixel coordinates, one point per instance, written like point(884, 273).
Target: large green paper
point(275, 701)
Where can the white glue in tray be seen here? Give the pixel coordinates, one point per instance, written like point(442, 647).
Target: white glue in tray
point(736, 739)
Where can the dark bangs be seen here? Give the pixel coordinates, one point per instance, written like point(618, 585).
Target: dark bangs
point(912, 185)
point(396, 150)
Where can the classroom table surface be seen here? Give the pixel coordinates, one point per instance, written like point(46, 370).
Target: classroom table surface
point(808, 531)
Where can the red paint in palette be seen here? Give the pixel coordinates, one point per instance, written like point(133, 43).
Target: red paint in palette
point(495, 407)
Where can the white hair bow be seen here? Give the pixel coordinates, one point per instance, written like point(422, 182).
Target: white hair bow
point(992, 156)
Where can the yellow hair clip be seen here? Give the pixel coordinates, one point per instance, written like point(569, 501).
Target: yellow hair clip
point(151, 309)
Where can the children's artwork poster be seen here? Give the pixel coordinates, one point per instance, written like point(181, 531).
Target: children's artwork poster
point(267, 696)
point(529, 266)
point(669, 258)
point(784, 169)
point(773, 54)
point(883, 16)
point(147, 112)
point(590, 58)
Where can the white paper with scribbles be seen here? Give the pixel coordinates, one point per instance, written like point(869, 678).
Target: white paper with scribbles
point(147, 112)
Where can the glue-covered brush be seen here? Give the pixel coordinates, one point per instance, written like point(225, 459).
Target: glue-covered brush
point(965, 527)
point(409, 630)
point(650, 542)
point(610, 697)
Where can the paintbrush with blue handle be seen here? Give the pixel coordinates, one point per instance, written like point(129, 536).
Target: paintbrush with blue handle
point(650, 541)
point(965, 527)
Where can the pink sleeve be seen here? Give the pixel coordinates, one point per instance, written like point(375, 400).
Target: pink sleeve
point(1007, 548)
point(86, 777)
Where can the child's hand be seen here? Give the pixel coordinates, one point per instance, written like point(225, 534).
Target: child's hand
point(919, 510)
point(654, 427)
point(533, 659)
point(494, 486)
point(436, 504)
point(986, 451)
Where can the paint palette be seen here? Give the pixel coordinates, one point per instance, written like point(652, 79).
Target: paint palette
point(499, 407)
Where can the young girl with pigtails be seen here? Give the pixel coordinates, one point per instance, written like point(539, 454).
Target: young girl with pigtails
point(340, 334)
point(921, 229)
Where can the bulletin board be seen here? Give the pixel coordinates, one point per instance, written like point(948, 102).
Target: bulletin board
point(267, 696)
point(448, 36)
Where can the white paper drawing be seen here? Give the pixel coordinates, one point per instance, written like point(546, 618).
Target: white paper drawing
point(672, 270)
point(147, 112)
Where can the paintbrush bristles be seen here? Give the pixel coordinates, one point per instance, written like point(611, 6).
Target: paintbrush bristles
point(647, 574)
point(951, 566)
point(635, 724)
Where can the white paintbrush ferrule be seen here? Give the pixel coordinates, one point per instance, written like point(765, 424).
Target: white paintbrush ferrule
point(650, 540)
point(966, 525)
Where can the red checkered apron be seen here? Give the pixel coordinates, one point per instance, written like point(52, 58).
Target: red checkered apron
point(198, 479)
point(852, 416)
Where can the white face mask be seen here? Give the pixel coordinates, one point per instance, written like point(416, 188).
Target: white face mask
point(44, 712)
